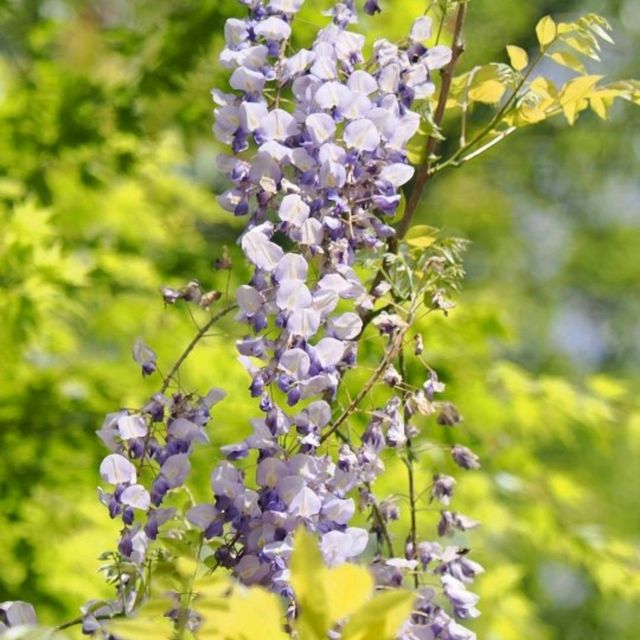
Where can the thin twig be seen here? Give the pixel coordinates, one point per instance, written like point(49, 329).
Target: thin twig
point(183, 616)
point(495, 121)
point(381, 525)
point(191, 346)
point(413, 535)
point(377, 374)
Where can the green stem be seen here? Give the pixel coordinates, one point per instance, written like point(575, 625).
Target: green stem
point(413, 532)
point(191, 346)
point(187, 597)
point(454, 160)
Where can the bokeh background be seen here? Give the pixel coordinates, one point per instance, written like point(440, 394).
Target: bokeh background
point(107, 183)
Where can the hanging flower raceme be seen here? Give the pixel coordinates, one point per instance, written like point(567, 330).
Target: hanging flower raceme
point(319, 141)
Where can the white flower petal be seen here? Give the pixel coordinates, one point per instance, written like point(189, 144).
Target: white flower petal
point(133, 426)
point(346, 326)
point(421, 29)
point(260, 251)
point(320, 127)
point(136, 496)
point(329, 352)
point(293, 210)
point(116, 469)
point(273, 29)
point(397, 174)
point(362, 135)
point(362, 82)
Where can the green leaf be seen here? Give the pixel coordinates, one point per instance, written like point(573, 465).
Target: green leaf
point(380, 618)
point(518, 57)
point(546, 32)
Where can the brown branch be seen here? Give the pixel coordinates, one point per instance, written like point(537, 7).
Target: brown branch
point(424, 172)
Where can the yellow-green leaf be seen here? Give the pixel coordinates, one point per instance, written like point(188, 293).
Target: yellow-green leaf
point(488, 92)
point(253, 614)
point(577, 88)
point(568, 60)
point(531, 114)
point(348, 587)
point(421, 236)
point(149, 623)
point(599, 107)
point(583, 43)
point(546, 32)
point(518, 57)
point(380, 618)
point(307, 570)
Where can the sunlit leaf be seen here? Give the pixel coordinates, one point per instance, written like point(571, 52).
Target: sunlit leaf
point(148, 623)
point(518, 57)
point(348, 587)
point(599, 106)
point(572, 96)
point(488, 92)
point(307, 569)
point(568, 60)
point(546, 32)
point(380, 618)
point(584, 43)
point(421, 236)
point(252, 614)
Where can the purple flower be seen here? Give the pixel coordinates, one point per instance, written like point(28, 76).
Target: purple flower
point(145, 357)
point(372, 7)
point(464, 457)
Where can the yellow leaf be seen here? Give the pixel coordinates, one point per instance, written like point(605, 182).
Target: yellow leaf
point(421, 236)
point(518, 57)
point(380, 618)
point(573, 94)
point(307, 570)
point(348, 587)
point(546, 31)
point(568, 60)
point(599, 107)
point(149, 623)
point(572, 109)
point(252, 614)
point(566, 27)
point(488, 92)
point(583, 43)
point(544, 87)
point(577, 88)
point(531, 114)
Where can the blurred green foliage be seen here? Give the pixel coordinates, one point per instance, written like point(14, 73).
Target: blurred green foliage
point(107, 182)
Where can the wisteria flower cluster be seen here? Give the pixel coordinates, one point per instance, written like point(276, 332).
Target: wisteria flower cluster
point(322, 178)
point(318, 156)
point(318, 166)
